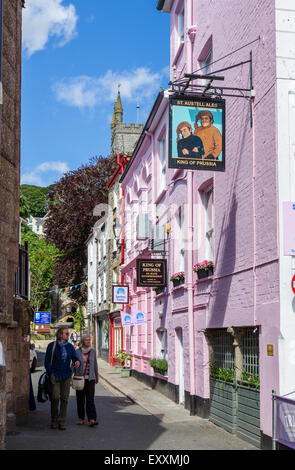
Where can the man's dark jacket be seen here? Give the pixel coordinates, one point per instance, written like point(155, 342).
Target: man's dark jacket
point(59, 367)
point(189, 143)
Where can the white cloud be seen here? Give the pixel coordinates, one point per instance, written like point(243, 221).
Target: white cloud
point(35, 177)
point(45, 18)
point(85, 91)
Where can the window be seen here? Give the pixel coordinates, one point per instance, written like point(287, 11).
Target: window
point(115, 200)
point(90, 253)
point(163, 352)
point(142, 226)
point(206, 65)
point(99, 251)
point(208, 222)
point(131, 338)
point(104, 247)
point(180, 28)
point(37, 228)
point(115, 277)
point(162, 152)
point(99, 290)
point(104, 287)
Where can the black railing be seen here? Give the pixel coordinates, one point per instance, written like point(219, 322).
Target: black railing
point(22, 276)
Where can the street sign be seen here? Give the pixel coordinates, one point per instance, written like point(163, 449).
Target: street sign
point(293, 284)
point(42, 318)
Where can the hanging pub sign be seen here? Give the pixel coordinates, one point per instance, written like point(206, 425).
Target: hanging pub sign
point(151, 272)
point(120, 295)
point(196, 133)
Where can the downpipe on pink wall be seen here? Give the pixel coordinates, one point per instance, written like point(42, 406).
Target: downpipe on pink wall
point(190, 175)
point(149, 134)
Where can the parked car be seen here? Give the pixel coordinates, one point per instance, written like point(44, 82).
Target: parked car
point(33, 358)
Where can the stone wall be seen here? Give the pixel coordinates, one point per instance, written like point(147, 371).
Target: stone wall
point(13, 343)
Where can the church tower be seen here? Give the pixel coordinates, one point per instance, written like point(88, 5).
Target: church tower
point(123, 137)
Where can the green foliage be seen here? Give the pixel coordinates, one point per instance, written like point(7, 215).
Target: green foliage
point(79, 320)
point(42, 257)
point(36, 199)
point(24, 209)
point(160, 364)
point(222, 374)
point(123, 357)
point(71, 220)
point(250, 379)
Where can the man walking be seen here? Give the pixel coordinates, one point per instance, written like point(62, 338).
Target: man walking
point(59, 356)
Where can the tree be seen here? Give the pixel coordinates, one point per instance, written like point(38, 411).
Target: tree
point(71, 219)
point(24, 209)
point(42, 257)
point(36, 197)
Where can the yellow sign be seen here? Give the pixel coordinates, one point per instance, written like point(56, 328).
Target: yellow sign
point(270, 349)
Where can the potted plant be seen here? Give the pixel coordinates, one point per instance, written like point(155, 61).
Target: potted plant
point(160, 366)
point(124, 359)
point(177, 278)
point(204, 269)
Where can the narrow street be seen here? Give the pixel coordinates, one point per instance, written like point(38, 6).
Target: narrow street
point(123, 425)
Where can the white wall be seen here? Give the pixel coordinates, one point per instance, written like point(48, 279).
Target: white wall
point(285, 61)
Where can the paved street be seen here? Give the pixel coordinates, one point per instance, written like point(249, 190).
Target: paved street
point(137, 418)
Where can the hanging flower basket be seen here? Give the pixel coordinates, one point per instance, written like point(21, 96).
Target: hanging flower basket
point(204, 269)
point(177, 278)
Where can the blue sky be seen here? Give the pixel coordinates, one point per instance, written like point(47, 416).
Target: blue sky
point(75, 52)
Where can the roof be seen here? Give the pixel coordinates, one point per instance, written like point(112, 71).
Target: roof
point(164, 5)
point(145, 130)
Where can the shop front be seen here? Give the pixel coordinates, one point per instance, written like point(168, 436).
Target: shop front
point(116, 336)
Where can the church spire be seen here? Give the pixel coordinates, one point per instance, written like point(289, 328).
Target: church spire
point(118, 109)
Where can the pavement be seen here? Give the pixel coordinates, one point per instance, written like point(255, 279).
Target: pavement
point(131, 415)
point(149, 399)
point(162, 408)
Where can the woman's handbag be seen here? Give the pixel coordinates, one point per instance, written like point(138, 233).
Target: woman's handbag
point(78, 382)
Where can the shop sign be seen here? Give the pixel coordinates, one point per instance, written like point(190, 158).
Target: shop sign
point(120, 295)
point(134, 317)
point(289, 228)
point(42, 318)
point(127, 319)
point(196, 133)
point(151, 272)
point(285, 425)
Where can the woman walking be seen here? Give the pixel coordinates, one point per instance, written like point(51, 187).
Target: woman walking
point(88, 368)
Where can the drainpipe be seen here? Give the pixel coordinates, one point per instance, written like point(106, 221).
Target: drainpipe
point(190, 292)
point(149, 134)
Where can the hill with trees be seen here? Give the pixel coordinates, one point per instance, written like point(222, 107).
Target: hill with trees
point(35, 199)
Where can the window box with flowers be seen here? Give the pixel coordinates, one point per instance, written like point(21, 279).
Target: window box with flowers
point(177, 278)
point(204, 269)
point(160, 366)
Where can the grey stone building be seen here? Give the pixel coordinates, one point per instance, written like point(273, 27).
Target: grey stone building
point(14, 317)
point(123, 137)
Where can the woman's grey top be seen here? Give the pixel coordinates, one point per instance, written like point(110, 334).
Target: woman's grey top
point(93, 368)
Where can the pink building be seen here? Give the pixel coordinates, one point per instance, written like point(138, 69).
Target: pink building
point(228, 322)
